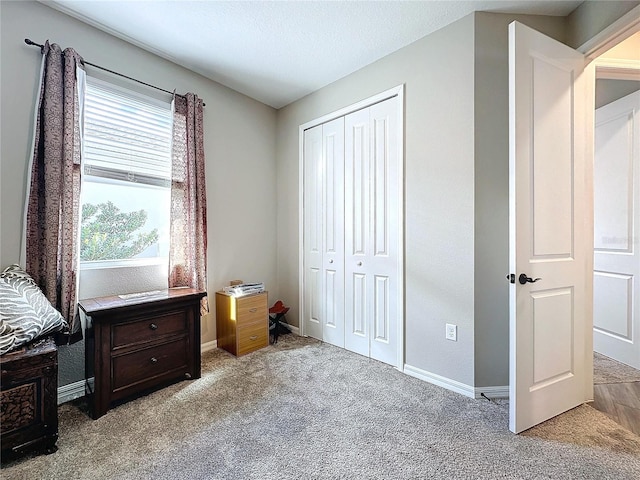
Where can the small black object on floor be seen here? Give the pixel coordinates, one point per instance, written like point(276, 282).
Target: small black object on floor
point(277, 322)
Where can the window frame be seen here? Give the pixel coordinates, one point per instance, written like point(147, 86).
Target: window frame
point(141, 180)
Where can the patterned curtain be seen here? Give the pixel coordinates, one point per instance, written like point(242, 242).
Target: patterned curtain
point(188, 221)
point(52, 214)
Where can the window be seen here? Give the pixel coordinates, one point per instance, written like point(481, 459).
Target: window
point(126, 177)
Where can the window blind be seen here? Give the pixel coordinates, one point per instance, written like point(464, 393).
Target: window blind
point(127, 136)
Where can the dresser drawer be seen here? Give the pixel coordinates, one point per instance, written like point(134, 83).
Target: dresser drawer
point(252, 337)
point(145, 364)
point(251, 309)
point(148, 329)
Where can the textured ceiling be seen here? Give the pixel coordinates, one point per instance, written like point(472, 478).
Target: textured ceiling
point(280, 51)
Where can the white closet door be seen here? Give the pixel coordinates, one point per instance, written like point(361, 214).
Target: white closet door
point(357, 232)
point(333, 234)
point(313, 198)
point(372, 227)
point(383, 262)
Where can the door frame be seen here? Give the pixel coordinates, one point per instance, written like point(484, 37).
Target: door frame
point(398, 92)
point(615, 33)
point(615, 69)
point(621, 109)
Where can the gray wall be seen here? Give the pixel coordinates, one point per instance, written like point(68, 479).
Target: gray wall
point(491, 118)
point(438, 75)
point(608, 91)
point(456, 190)
point(239, 146)
point(592, 17)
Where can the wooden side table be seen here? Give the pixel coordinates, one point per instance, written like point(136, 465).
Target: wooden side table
point(29, 399)
point(135, 343)
point(242, 323)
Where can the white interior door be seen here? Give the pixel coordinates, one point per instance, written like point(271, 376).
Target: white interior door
point(616, 277)
point(313, 263)
point(548, 228)
point(372, 226)
point(333, 233)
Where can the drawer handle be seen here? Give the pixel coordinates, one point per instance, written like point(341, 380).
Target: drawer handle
point(153, 326)
point(253, 310)
point(154, 360)
point(253, 337)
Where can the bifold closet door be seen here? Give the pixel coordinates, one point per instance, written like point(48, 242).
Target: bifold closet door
point(313, 193)
point(333, 233)
point(324, 232)
point(352, 230)
point(371, 231)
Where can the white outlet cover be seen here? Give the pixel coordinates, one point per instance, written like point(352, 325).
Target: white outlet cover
point(451, 332)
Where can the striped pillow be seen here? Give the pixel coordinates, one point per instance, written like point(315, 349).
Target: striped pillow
point(25, 310)
point(7, 337)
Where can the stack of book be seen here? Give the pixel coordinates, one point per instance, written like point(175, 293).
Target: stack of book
point(243, 289)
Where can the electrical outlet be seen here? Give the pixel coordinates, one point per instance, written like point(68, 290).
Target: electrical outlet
point(451, 332)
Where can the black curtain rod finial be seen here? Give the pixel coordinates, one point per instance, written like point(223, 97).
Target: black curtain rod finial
point(31, 42)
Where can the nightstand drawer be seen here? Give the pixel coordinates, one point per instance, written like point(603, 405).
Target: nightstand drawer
point(146, 364)
point(251, 309)
point(252, 337)
point(148, 329)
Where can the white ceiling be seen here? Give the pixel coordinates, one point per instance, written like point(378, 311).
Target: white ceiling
point(280, 51)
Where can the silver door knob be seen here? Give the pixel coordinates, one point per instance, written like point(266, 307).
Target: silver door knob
point(359, 264)
point(331, 261)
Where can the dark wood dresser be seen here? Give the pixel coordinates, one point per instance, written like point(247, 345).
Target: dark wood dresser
point(139, 342)
point(29, 399)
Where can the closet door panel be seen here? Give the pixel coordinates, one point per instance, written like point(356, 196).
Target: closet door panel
point(383, 259)
point(333, 233)
point(313, 232)
point(357, 232)
point(381, 324)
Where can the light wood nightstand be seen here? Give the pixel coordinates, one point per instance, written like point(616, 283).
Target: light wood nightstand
point(242, 323)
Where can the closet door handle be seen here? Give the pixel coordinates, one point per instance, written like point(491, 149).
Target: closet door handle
point(331, 261)
point(359, 264)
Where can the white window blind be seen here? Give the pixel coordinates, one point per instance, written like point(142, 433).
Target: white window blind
point(126, 136)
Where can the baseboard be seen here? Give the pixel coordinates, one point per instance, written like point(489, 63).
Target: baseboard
point(493, 392)
point(71, 391)
point(294, 330)
point(207, 346)
point(453, 385)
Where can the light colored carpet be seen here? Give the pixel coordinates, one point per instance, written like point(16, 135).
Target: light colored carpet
point(306, 410)
point(607, 370)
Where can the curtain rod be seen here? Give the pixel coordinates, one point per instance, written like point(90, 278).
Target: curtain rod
point(32, 43)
